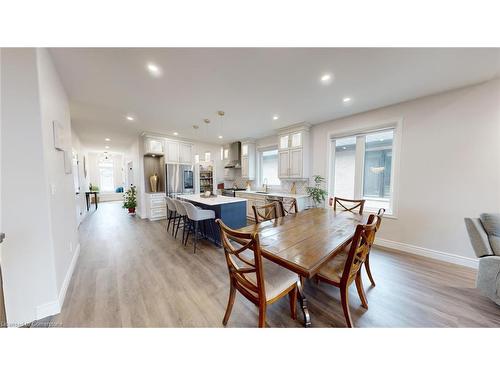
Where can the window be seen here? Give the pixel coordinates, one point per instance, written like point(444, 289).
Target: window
point(363, 168)
point(269, 167)
point(106, 175)
point(208, 156)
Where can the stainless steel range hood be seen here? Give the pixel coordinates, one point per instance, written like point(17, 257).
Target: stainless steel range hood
point(234, 156)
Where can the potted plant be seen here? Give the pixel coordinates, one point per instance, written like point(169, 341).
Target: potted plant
point(130, 199)
point(316, 193)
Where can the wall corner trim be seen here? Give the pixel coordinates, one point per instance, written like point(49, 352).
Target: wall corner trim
point(428, 253)
point(67, 278)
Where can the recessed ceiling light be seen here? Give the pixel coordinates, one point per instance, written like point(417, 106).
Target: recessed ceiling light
point(326, 78)
point(154, 69)
point(346, 100)
point(344, 148)
point(175, 133)
point(381, 139)
point(130, 118)
point(107, 139)
point(220, 137)
point(106, 147)
point(275, 117)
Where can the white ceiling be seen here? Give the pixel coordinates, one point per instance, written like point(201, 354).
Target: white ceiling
point(250, 85)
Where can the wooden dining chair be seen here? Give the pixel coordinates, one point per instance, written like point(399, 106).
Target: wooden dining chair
point(345, 267)
point(349, 204)
point(380, 214)
point(261, 281)
point(288, 206)
point(266, 212)
point(285, 206)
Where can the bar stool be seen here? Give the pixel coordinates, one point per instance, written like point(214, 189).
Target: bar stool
point(182, 216)
point(171, 213)
point(195, 216)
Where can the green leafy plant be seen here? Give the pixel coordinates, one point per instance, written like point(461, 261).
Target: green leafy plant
point(317, 194)
point(130, 198)
point(93, 187)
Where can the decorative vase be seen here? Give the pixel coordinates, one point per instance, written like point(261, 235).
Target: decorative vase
point(153, 181)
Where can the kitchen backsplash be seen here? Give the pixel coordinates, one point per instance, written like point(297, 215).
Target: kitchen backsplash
point(286, 185)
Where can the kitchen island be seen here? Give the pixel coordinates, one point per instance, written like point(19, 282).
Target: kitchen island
point(232, 211)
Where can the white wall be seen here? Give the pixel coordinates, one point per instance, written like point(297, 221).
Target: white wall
point(449, 166)
point(55, 106)
point(38, 207)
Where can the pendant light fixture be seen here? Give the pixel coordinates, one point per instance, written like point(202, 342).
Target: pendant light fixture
point(221, 116)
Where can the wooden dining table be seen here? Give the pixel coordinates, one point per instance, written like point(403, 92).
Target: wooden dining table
point(303, 242)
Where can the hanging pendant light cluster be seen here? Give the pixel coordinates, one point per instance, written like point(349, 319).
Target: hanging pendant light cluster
point(207, 122)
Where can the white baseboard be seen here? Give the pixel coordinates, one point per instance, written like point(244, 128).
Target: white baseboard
point(54, 307)
point(47, 309)
point(428, 253)
point(69, 274)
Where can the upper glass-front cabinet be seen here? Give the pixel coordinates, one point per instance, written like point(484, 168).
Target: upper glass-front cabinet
point(284, 141)
point(296, 139)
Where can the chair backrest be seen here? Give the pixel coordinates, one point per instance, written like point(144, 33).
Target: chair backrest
point(360, 247)
point(244, 261)
point(179, 207)
point(266, 212)
point(380, 214)
point(170, 204)
point(288, 206)
point(191, 211)
point(349, 204)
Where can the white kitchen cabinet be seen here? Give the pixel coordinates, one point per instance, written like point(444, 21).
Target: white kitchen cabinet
point(253, 199)
point(296, 140)
point(172, 152)
point(185, 153)
point(295, 164)
point(283, 163)
point(153, 146)
point(284, 141)
point(244, 166)
point(248, 160)
point(293, 159)
point(178, 152)
point(156, 207)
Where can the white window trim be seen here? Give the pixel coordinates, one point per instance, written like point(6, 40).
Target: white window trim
point(397, 125)
point(259, 164)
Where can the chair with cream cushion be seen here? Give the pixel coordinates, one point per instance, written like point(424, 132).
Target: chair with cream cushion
point(182, 217)
point(345, 267)
point(195, 216)
point(171, 212)
point(261, 281)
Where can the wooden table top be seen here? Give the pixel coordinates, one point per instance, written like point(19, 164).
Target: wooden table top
point(303, 242)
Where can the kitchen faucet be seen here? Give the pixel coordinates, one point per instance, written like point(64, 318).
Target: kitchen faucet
point(264, 185)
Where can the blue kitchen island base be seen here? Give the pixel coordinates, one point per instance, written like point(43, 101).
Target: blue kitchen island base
point(232, 211)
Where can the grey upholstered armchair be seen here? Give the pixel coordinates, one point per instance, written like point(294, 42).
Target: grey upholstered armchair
point(484, 234)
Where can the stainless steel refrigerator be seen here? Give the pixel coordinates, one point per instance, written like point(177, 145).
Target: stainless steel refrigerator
point(179, 179)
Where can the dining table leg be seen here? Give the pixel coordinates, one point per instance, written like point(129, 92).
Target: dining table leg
point(303, 303)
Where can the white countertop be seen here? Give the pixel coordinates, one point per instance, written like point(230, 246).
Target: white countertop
point(274, 194)
point(213, 201)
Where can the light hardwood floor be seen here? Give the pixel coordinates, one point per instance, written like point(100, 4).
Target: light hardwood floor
point(131, 273)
